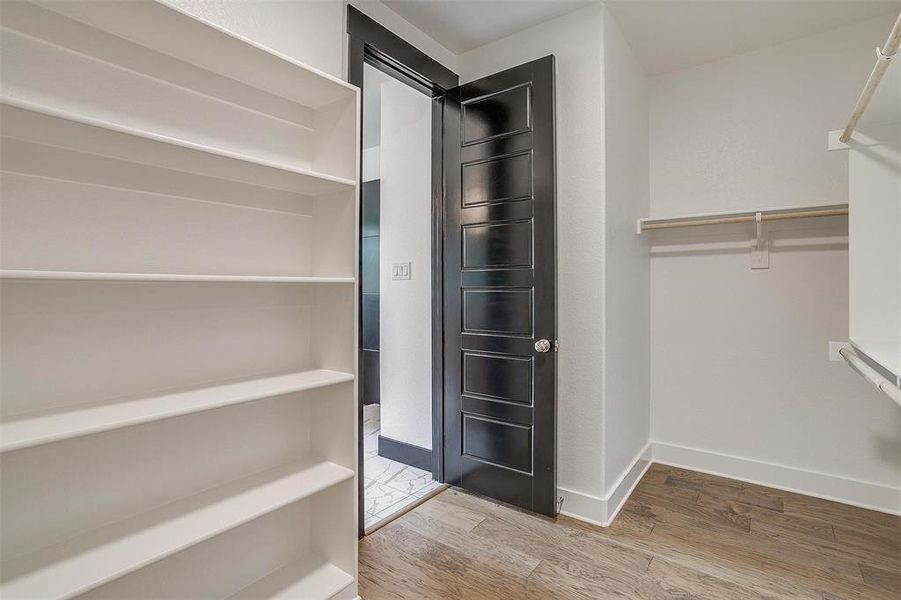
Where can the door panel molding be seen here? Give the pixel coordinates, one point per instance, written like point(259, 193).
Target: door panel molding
point(495, 116)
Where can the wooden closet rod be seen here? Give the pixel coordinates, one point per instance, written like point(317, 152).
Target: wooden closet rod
point(883, 58)
point(779, 214)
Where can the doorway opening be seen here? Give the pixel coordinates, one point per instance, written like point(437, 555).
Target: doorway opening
point(396, 295)
point(401, 270)
point(492, 289)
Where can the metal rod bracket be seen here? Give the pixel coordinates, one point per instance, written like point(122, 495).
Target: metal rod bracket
point(884, 57)
point(760, 253)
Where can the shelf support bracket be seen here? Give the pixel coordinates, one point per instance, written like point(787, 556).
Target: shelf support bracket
point(760, 252)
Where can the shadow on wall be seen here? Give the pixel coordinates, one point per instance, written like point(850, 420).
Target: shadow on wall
point(870, 140)
point(875, 156)
point(888, 447)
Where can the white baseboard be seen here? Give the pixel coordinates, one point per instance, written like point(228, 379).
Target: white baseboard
point(810, 483)
point(603, 510)
point(584, 507)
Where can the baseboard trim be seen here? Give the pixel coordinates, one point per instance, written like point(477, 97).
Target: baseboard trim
point(349, 592)
point(603, 510)
point(415, 456)
point(627, 482)
point(583, 507)
point(864, 494)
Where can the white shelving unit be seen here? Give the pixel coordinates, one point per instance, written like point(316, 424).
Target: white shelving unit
point(178, 235)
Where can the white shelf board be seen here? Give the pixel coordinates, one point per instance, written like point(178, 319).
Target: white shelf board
point(44, 428)
point(205, 44)
point(734, 213)
point(301, 180)
point(167, 277)
point(310, 578)
point(87, 561)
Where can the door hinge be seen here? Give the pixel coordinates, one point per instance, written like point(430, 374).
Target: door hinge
point(556, 345)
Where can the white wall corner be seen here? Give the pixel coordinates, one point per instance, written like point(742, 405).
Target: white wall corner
point(863, 494)
point(603, 510)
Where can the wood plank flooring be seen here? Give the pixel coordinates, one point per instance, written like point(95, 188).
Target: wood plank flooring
point(681, 535)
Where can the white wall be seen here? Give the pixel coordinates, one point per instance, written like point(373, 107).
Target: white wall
point(739, 368)
point(371, 169)
point(311, 31)
point(576, 41)
point(405, 306)
point(627, 264)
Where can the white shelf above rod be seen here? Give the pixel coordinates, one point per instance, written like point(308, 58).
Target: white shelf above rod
point(742, 216)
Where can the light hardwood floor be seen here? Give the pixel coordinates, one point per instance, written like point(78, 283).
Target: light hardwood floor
point(680, 535)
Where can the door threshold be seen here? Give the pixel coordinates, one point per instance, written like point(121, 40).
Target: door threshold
point(405, 509)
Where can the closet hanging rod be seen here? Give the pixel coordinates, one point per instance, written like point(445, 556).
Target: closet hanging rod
point(743, 216)
point(883, 58)
point(870, 374)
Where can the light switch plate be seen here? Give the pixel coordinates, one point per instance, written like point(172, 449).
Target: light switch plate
point(400, 271)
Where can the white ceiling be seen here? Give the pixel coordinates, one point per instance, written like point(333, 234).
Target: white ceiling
point(665, 34)
point(461, 25)
point(674, 34)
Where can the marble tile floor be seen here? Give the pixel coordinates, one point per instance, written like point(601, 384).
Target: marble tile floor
point(389, 485)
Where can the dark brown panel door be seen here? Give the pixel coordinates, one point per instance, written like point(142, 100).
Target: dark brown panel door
point(500, 272)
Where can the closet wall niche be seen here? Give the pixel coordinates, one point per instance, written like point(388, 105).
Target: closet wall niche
point(179, 218)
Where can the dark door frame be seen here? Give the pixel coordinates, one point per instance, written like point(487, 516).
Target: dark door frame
point(370, 43)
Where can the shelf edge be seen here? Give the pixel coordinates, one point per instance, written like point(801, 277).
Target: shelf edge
point(54, 565)
point(9, 441)
point(171, 141)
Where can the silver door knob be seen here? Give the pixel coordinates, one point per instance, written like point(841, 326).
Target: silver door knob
point(542, 345)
